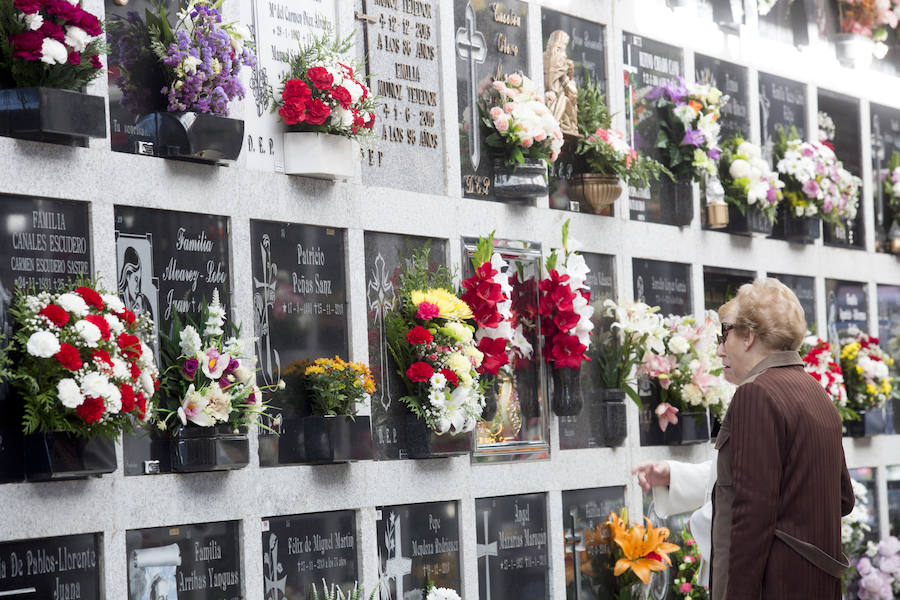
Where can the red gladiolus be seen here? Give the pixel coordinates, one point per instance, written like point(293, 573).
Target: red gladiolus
point(101, 324)
point(90, 296)
point(317, 111)
point(320, 77)
point(91, 410)
point(69, 357)
point(419, 372)
point(57, 314)
point(419, 335)
point(566, 351)
point(127, 398)
point(495, 355)
point(130, 345)
point(450, 376)
point(565, 320)
point(485, 314)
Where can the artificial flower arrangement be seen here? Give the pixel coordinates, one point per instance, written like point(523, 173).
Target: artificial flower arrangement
point(688, 370)
point(334, 592)
point(747, 178)
point(689, 127)
point(54, 44)
point(816, 184)
point(337, 387)
point(80, 362)
point(638, 550)
point(827, 129)
point(197, 62)
point(879, 570)
point(685, 584)
point(209, 380)
point(433, 592)
point(892, 180)
point(819, 362)
point(872, 19)
point(431, 338)
point(636, 329)
point(866, 374)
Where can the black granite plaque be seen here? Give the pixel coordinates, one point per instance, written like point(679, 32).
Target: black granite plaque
point(589, 564)
point(889, 340)
point(491, 38)
point(781, 102)
point(587, 50)
point(301, 550)
point(648, 63)
point(805, 290)
point(786, 22)
point(513, 560)
point(299, 314)
point(417, 542)
point(732, 80)
point(190, 562)
point(46, 245)
point(846, 306)
point(57, 567)
point(885, 123)
point(386, 255)
point(168, 263)
point(581, 431)
point(663, 284)
point(402, 43)
point(721, 285)
point(847, 142)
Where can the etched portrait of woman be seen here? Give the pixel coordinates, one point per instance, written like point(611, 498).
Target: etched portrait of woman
point(130, 283)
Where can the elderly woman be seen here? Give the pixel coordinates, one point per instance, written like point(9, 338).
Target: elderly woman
point(769, 523)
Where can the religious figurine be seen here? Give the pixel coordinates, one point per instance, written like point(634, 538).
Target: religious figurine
point(559, 78)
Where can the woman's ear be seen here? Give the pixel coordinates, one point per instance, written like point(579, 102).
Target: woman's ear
point(749, 340)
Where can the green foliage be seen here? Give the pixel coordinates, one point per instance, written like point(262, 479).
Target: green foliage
point(893, 199)
point(593, 113)
point(484, 249)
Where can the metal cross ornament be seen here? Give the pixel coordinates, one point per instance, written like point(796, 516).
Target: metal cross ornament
point(486, 550)
point(471, 47)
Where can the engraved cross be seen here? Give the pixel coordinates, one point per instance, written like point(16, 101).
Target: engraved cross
point(471, 47)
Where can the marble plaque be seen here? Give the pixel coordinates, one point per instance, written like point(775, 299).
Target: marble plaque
point(846, 306)
point(46, 244)
point(589, 564)
point(386, 255)
point(721, 285)
point(491, 38)
point(587, 51)
point(402, 44)
point(190, 562)
point(844, 111)
point(732, 80)
point(885, 124)
point(168, 263)
point(582, 431)
point(57, 567)
point(805, 290)
point(513, 559)
point(299, 314)
point(416, 543)
point(648, 63)
point(781, 102)
point(663, 284)
point(302, 550)
point(279, 28)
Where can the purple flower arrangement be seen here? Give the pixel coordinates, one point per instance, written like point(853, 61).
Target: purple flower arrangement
point(879, 571)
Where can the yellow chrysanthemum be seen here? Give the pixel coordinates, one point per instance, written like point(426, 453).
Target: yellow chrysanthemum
point(871, 389)
point(314, 370)
point(448, 304)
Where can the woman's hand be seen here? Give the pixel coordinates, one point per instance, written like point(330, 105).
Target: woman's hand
point(652, 474)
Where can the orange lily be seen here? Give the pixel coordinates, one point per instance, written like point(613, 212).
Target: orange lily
point(695, 105)
point(645, 550)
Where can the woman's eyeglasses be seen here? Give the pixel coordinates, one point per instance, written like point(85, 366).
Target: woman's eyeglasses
point(726, 327)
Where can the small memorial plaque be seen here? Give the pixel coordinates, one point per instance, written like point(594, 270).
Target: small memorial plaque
point(582, 431)
point(805, 290)
point(299, 312)
point(663, 284)
point(46, 245)
point(648, 63)
point(168, 263)
point(847, 141)
point(589, 564)
point(386, 255)
point(846, 308)
point(513, 560)
point(491, 39)
point(190, 562)
point(885, 123)
point(721, 285)
point(732, 80)
point(58, 567)
point(781, 102)
point(417, 543)
point(402, 46)
point(302, 550)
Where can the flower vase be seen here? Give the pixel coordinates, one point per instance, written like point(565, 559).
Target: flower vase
point(567, 400)
point(753, 220)
point(612, 428)
point(423, 442)
point(216, 448)
point(336, 439)
point(853, 50)
point(857, 428)
point(55, 456)
point(519, 183)
point(692, 428)
point(716, 216)
point(52, 115)
point(683, 203)
point(595, 191)
point(490, 399)
point(320, 155)
point(799, 230)
point(196, 137)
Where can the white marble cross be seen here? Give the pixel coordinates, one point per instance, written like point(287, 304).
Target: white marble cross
point(487, 550)
point(471, 47)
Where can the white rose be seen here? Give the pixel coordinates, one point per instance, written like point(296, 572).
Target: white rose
point(94, 384)
point(53, 52)
point(69, 393)
point(739, 168)
point(77, 38)
point(748, 149)
point(42, 344)
point(73, 303)
point(89, 332)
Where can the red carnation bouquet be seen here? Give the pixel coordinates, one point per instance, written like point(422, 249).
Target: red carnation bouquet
point(80, 362)
point(565, 308)
point(818, 360)
point(49, 43)
point(320, 92)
